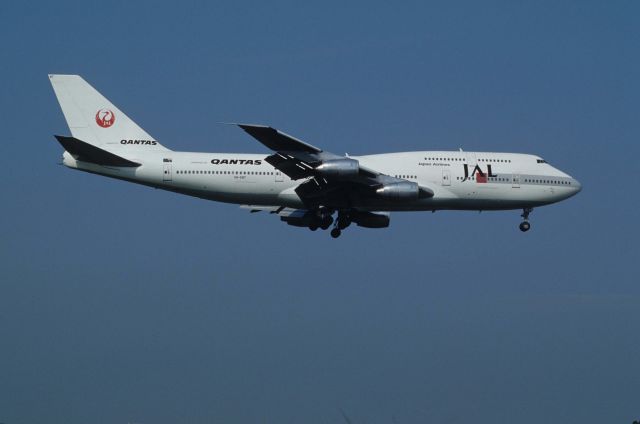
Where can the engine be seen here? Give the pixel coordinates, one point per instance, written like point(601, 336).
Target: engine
point(339, 168)
point(403, 190)
point(309, 218)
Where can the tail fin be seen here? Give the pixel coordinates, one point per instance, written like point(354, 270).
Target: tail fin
point(95, 120)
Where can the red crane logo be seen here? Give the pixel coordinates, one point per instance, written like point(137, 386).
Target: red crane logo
point(105, 118)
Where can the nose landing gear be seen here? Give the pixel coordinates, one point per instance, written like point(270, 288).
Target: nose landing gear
point(525, 225)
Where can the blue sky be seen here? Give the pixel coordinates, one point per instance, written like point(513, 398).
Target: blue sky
point(120, 303)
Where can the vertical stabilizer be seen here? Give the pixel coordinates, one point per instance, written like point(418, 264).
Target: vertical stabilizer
point(95, 120)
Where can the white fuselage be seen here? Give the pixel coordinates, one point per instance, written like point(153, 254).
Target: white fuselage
point(459, 180)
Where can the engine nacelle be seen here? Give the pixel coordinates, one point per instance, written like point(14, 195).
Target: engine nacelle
point(308, 218)
point(403, 190)
point(299, 218)
point(370, 219)
point(339, 168)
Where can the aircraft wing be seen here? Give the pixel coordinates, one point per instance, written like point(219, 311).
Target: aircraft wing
point(277, 140)
point(329, 178)
point(294, 157)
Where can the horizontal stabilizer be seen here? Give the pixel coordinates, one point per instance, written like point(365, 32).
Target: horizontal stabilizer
point(89, 153)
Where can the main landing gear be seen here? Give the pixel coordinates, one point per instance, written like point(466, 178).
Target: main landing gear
point(525, 225)
point(323, 218)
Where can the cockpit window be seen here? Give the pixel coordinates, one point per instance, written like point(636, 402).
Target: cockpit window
point(541, 161)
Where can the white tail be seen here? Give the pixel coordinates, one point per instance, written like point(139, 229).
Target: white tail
point(95, 120)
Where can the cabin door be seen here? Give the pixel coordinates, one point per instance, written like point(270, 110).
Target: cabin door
point(166, 170)
point(446, 177)
point(515, 181)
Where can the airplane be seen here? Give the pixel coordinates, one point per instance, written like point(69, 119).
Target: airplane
point(302, 184)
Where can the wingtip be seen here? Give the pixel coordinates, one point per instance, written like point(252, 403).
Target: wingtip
point(52, 76)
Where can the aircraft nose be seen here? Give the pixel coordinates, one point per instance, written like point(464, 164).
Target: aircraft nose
point(577, 187)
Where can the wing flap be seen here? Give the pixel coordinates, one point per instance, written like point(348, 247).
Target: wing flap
point(293, 167)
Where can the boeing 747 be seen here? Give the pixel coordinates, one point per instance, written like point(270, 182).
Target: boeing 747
point(304, 185)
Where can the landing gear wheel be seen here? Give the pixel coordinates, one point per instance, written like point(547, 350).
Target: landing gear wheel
point(335, 232)
point(525, 226)
point(313, 227)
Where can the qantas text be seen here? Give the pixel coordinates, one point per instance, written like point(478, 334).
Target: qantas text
point(236, 161)
point(148, 142)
